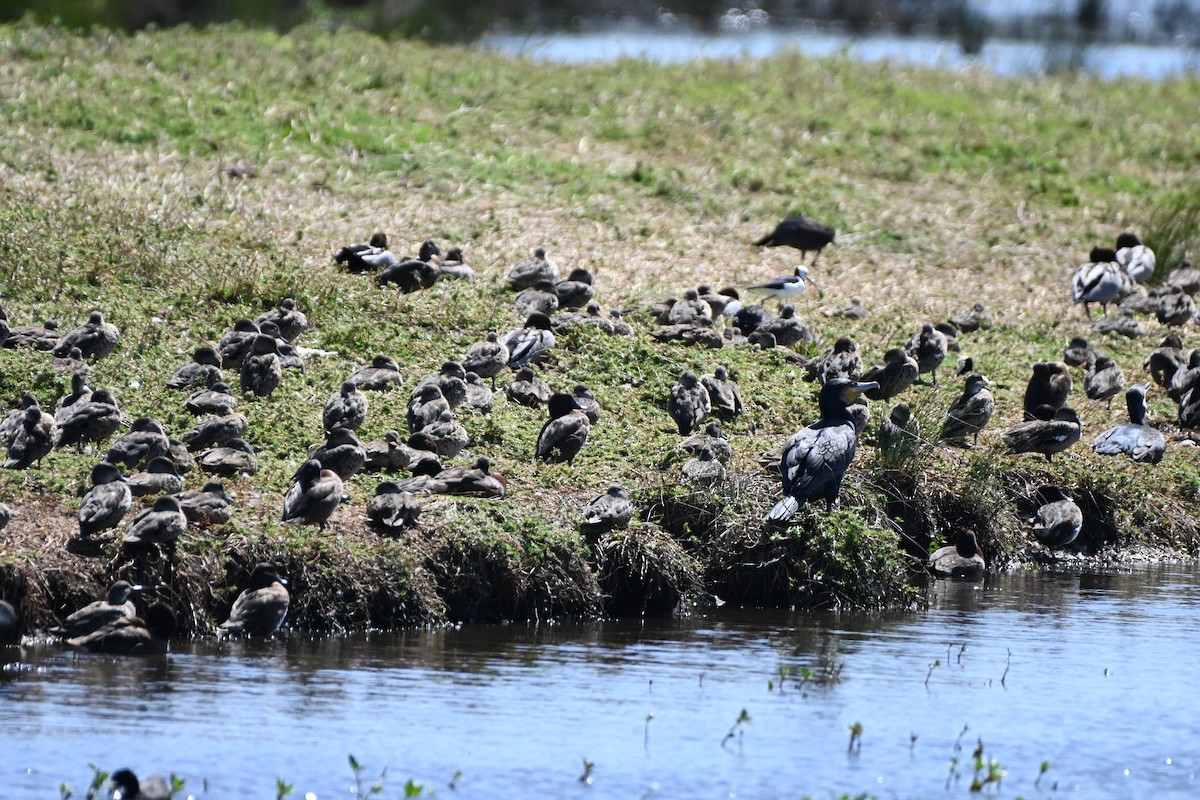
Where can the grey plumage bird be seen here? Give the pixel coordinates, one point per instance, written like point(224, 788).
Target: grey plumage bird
point(1058, 520)
point(451, 378)
point(387, 454)
point(840, 361)
point(488, 358)
point(115, 605)
point(1050, 432)
point(527, 389)
point(724, 397)
point(962, 560)
point(392, 509)
point(575, 291)
point(928, 347)
point(95, 338)
point(610, 510)
point(163, 523)
point(688, 403)
point(216, 399)
point(540, 298)
point(236, 343)
point(704, 469)
point(262, 370)
point(1104, 381)
point(315, 495)
point(106, 503)
point(1165, 360)
point(346, 408)
point(261, 607)
point(342, 453)
point(564, 434)
point(898, 371)
point(32, 441)
point(425, 407)
point(92, 421)
point(204, 369)
point(970, 413)
point(215, 431)
point(479, 394)
point(477, 480)
point(209, 506)
point(1135, 438)
point(146, 440)
point(815, 459)
point(1078, 352)
point(159, 477)
point(291, 320)
point(711, 437)
point(133, 636)
point(236, 456)
point(528, 271)
point(382, 373)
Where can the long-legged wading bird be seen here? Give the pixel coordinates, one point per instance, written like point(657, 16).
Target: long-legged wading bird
point(816, 458)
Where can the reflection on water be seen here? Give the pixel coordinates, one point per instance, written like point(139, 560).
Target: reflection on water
point(1091, 673)
point(1004, 57)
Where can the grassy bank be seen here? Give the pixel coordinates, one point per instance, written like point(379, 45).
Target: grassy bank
point(181, 179)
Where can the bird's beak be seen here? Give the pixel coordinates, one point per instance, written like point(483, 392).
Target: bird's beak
point(857, 390)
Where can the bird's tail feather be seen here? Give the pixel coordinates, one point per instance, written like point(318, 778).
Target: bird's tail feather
point(783, 510)
point(766, 240)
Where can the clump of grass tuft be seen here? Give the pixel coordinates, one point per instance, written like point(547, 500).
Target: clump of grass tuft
point(1173, 230)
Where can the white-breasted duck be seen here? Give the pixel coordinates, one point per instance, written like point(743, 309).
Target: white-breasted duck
point(1135, 438)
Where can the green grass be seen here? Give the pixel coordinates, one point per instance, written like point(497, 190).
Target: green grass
point(181, 179)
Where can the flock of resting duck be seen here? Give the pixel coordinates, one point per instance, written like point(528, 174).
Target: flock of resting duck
point(811, 464)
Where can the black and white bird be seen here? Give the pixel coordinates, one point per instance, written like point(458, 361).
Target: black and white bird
point(1097, 281)
point(815, 459)
point(784, 287)
point(1135, 258)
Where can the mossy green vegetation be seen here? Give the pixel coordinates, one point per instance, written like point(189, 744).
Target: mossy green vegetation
point(181, 179)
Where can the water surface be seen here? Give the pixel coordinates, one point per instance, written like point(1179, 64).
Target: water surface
point(1091, 673)
point(1004, 57)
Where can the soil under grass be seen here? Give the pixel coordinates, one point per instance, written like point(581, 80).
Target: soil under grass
point(178, 180)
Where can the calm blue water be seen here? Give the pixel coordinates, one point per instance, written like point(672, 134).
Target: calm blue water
point(1091, 673)
point(1000, 56)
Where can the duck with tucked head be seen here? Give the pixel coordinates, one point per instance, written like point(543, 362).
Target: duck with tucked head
point(564, 434)
point(962, 560)
point(1058, 520)
point(1048, 433)
point(132, 635)
point(261, 607)
point(314, 496)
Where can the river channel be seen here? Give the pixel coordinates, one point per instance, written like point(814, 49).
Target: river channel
point(1091, 675)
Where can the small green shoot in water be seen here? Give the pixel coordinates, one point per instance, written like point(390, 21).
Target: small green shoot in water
point(99, 778)
point(376, 786)
point(987, 771)
point(412, 788)
point(785, 672)
point(912, 742)
point(739, 724)
point(1007, 662)
point(65, 792)
point(1041, 773)
point(855, 746)
point(937, 663)
point(586, 777)
point(454, 779)
point(283, 788)
point(646, 733)
point(177, 784)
